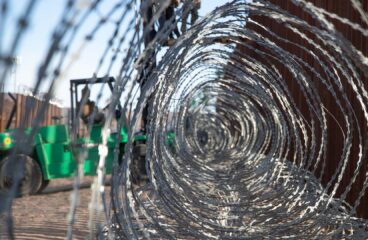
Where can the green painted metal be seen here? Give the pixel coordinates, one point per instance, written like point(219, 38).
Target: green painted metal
point(140, 138)
point(57, 155)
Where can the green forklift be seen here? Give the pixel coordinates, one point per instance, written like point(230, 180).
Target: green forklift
point(54, 153)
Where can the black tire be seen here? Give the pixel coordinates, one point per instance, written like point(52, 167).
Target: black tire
point(140, 150)
point(24, 170)
point(139, 173)
point(1, 185)
point(45, 183)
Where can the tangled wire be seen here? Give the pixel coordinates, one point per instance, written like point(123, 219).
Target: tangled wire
point(257, 126)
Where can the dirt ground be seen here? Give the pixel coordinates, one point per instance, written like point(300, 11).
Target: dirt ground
point(44, 216)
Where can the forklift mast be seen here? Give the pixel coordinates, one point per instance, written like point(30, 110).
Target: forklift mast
point(75, 98)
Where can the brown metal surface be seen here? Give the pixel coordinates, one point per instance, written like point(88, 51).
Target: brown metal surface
point(34, 105)
point(344, 9)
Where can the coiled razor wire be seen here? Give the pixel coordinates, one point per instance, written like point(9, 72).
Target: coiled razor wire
point(229, 173)
point(239, 126)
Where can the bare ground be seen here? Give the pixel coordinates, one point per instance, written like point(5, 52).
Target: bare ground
point(45, 216)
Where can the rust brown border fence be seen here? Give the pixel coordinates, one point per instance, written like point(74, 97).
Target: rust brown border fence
point(342, 8)
point(53, 114)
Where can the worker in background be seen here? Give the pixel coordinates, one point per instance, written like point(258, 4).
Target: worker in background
point(168, 17)
point(190, 7)
point(147, 14)
point(149, 33)
point(89, 109)
point(148, 9)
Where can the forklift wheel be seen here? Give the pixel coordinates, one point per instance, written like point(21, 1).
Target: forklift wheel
point(140, 150)
point(44, 185)
point(139, 173)
point(1, 166)
point(30, 177)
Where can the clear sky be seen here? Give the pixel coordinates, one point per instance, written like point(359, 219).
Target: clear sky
point(33, 47)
